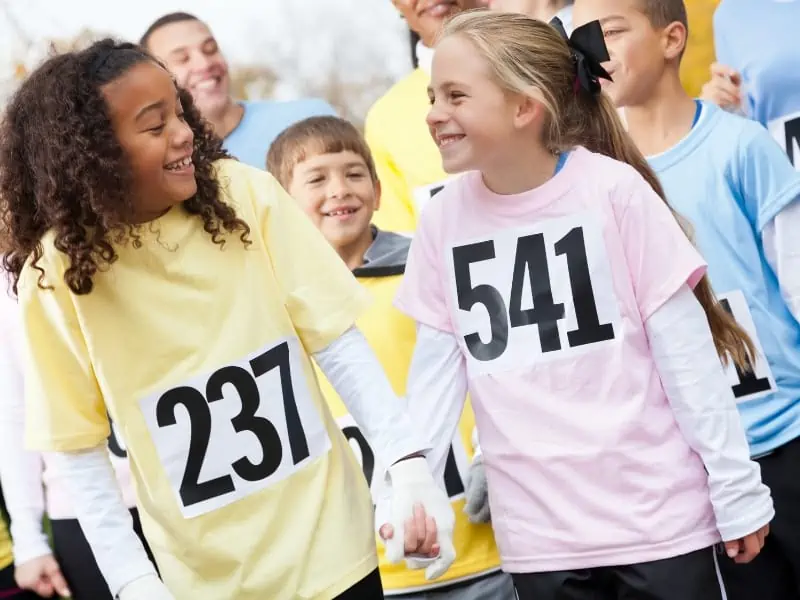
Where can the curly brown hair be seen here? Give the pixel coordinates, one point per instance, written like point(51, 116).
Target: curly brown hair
point(62, 167)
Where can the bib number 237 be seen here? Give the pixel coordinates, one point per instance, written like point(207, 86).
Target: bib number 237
point(239, 430)
point(546, 290)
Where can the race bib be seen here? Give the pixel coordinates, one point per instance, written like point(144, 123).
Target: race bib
point(424, 193)
point(238, 430)
point(786, 131)
point(759, 381)
point(534, 293)
point(454, 474)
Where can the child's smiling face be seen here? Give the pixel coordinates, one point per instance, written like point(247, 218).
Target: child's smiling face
point(148, 121)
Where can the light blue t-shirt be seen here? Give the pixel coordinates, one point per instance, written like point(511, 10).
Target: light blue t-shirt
point(759, 38)
point(729, 178)
point(263, 121)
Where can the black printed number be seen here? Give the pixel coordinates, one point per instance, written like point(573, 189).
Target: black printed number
point(530, 258)
point(192, 490)
point(748, 384)
point(452, 477)
point(114, 443)
point(792, 132)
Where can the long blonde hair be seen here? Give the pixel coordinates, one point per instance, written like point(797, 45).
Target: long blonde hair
point(530, 57)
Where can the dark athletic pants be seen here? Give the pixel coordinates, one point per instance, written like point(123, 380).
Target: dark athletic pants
point(775, 572)
point(693, 576)
point(77, 562)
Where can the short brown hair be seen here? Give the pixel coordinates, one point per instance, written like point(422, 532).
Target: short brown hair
point(661, 13)
point(322, 135)
point(168, 19)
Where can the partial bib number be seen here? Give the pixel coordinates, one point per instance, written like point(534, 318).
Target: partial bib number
point(758, 381)
point(424, 193)
point(786, 131)
point(535, 293)
point(116, 445)
point(454, 473)
point(238, 430)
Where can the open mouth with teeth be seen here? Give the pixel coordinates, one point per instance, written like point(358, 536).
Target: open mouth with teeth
point(177, 166)
point(448, 139)
point(341, 212)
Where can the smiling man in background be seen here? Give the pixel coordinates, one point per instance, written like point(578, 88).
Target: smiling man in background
point(406, 158)
point(186, 45)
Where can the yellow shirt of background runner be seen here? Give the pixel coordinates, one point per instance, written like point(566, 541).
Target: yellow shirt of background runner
point(392, 336)
point(407, 160)
point(696, 63)
point(246, 487)
point(6, 557)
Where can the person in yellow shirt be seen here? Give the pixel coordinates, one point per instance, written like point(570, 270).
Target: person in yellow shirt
point(183, 294)
point(407, 161)
point(8, 586)
point(325, 164)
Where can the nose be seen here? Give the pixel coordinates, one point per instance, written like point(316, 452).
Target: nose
point(337, 187)
point(200, 61)
point(436, 115)
point(181, 134)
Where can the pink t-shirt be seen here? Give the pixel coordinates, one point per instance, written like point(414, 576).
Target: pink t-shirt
point(58, 504)
point(547, 292)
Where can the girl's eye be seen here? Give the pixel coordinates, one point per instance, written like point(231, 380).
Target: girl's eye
point(156, 130)
point(355, 175)
point(315, 180)
point(456, 95)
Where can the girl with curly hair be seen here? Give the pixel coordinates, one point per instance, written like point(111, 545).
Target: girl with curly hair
point(183, 293)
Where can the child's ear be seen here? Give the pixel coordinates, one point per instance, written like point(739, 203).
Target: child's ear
point(674, 40)
point(377, 186)
point(527, 110)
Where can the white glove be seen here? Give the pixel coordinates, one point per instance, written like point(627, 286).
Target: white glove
point(149, 587)
point(412, 483)
point(477, 492)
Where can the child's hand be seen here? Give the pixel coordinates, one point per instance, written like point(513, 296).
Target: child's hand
point(747, 548)
point(724, 88)
point(419, 535)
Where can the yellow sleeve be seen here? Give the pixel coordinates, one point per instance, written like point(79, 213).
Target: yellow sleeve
point(64, 406)
point(396, 212)
point(320, 293)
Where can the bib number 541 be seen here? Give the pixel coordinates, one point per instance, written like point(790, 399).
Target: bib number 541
point(531, 258)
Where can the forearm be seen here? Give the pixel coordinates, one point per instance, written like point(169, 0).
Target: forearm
point(355, 373)
point(702, 401)
point(105, 520)
point(437, 390)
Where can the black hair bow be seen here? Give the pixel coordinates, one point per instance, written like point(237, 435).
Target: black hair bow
point(588, 47)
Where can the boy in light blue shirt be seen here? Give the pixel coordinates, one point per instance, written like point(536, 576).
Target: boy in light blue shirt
point(188, 48)
point(759, 66)
point(735, 185)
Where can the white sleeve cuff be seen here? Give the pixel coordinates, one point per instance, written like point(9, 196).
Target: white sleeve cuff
point(104, 518)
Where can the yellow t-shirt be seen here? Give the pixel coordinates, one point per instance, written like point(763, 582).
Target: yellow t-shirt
point(696, 63)
point(246, 487)
point(407, 160)
point(392, 336)
point(6, 557)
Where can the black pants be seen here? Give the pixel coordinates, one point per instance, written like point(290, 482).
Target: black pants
point(9, 589)
point(369, 588)
point(692, 576)
point(77, 562)
point(775, 572)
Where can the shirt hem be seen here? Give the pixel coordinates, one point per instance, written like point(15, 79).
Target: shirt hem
point(459, 577)
point(628, 556)
point(356, 574)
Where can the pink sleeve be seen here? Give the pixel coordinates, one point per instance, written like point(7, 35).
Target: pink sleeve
point(661, 258)
point(421, 294)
